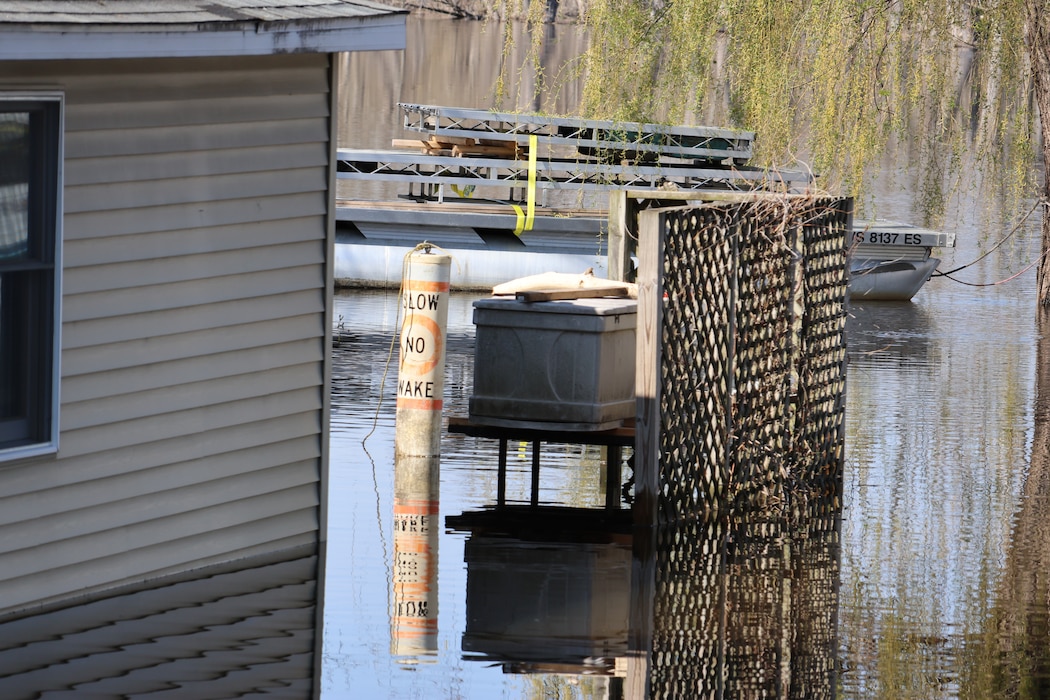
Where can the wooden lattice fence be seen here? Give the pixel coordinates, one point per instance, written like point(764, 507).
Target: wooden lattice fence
point(741, 367)
point(738, 460)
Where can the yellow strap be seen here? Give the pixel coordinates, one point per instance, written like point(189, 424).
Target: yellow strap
point(521, 219)
point(530, 201)
point(525, 221)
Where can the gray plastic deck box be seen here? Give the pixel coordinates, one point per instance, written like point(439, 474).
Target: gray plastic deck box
point(562, 365)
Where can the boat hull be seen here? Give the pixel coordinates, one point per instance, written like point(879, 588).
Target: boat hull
point(365, 265)
point(890, 281)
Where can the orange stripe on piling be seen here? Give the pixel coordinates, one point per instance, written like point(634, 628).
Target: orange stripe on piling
point(414, 628)
point(415, 506)
point(420, 404)
point(425, 286)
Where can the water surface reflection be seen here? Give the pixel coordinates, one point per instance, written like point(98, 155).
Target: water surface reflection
point(941, 547)
point(938, 433)
point(231, 633)
point(938, 547)
point(532, 600)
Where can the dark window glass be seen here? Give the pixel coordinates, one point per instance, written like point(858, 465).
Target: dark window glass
point(29, 172)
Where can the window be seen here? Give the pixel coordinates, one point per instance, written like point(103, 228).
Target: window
point(30, 200)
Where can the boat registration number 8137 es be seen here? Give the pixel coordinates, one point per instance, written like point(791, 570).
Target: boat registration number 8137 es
point(888, 238)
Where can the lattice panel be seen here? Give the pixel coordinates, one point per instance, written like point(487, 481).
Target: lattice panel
point(765, 273)
point(753, 364)
point(820, 406)
point(688, 635)
point(751, 395)
point(696, 370)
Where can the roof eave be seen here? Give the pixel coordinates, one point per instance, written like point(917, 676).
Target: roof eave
point(74, 41)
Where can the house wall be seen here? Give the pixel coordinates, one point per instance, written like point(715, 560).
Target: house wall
point(235, 634)
point(194, 328)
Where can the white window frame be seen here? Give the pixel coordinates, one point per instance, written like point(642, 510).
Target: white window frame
point(47, 441)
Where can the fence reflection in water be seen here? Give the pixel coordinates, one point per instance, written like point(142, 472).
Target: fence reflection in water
point(741, 386)
point(743, 606)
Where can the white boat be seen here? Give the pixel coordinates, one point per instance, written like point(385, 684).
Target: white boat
point(890, 261)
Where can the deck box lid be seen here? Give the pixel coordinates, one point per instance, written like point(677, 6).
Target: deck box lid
point(586, 307)
point(583, 315)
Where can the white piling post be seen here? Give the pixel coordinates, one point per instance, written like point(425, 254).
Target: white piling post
point(421, 369)
point(414, 614)
point(417, 449)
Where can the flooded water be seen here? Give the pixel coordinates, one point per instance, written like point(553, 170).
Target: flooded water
point(940, 427)
point(940, 594)
point(361, 647)
point(941, 547)
point(941, 422)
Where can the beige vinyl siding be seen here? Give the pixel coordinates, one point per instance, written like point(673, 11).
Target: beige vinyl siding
point(196, 633)
point(177, 452)
point(176, 321)
point(222, 213)
point(160, 245)
point(172, 165)
point(194, 293)
point(273, 319)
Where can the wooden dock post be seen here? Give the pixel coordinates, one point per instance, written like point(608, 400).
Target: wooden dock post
point(623, 218)
point(647, 369)
point(646, 450)
point(617, 252)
